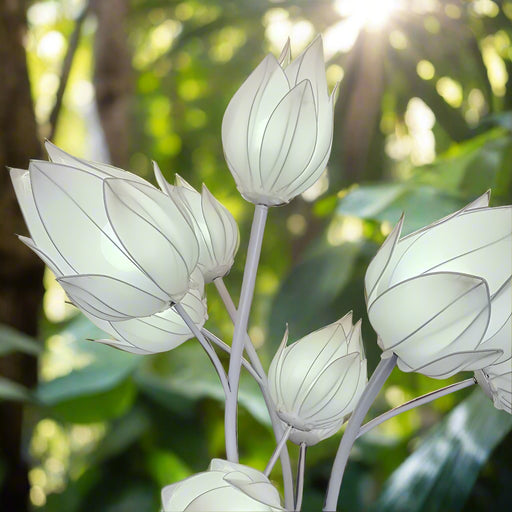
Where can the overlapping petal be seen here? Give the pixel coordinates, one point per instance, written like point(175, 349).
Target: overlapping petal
point(215, 228)
point(316, 381)
point(438, 296)
point(277, 129)
point(121, 249)
point(224, 487)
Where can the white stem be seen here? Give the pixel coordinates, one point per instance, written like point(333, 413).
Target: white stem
point(300, 477)
point(214, 358)
point(276, 422)
point(277, 451)
point(415, 402)
point(380, 375)
point(226, 348)
point(242, 319)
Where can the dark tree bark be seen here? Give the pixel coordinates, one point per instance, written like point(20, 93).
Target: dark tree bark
point(20, 270)
point(112, 77)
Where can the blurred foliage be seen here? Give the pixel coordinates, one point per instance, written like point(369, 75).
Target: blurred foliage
point(110, 429)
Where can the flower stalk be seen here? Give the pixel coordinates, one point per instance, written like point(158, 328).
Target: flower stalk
point(271, 463)
point(415, 402)
point(299, 491)
point(237, 347)
point(377, 380)
point(214, 358)
point(277, 425)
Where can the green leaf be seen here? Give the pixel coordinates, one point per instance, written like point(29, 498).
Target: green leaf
point(96, 407)
point(12, 340)
point(100, 390)
point(422, 204)
point(309, 289)
point(10, 390)
point(185, 375)
point(440, 474)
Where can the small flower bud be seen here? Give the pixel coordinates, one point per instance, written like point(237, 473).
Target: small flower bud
point(215, 228)
point(316, 382)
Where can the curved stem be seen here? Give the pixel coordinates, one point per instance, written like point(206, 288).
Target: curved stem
point(214, 358)
point(415, 402)
point(226, 348)
point(300, 477)
point(277, 425)
point(242, 319)
point(277, 451)
point(380, 375)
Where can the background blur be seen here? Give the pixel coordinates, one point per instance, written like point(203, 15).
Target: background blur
point(423, 124)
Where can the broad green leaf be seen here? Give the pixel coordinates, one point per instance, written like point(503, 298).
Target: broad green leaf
point(100, 390)
point(440, 474)
point(185, 375)
point(422, 204)
point(12, 340)
point(122, 433)
point(10, 390)
point(308, 291)
point(95, 407)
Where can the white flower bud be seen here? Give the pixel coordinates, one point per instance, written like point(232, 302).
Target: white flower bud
point(438, 296)
point(277, 128)
point(316, 382)
point(215, 228)
point(120, 248)
point(225, 487)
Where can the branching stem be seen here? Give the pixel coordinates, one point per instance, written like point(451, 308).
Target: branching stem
point(277, 451)
point(377, 380)
point(415, 402)
point(242, 319)
point(214, 358)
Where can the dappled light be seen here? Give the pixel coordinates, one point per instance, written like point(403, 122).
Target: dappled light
point(422, 125)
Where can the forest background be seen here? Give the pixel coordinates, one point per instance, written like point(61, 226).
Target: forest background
point(423, 124)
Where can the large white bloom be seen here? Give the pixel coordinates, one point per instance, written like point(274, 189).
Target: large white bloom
point(438, 296)
point(215, 228)
point(119, 247)
point(277, 128)
point(316, 382)
point(225, 487)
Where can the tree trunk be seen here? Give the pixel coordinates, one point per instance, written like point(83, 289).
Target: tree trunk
point(112, 77)
point(20, 270)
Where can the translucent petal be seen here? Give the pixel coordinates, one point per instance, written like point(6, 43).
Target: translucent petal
point(501, 309)
point(82, 236)
point(288, 142)
point(165, 187)
point(318, 161)
point(222, 231)
point(451, 364)
point(111, 295)
point(154, 232)
point(381, 260)
point(261, 492)
point(59, 156)
point(333, 390)
point(246, 117)
point(477, 242)
point(309, 65)
point(23, 189)
point(123, 346)
point(446, 306)
point(46, 259)
point(162, 331)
